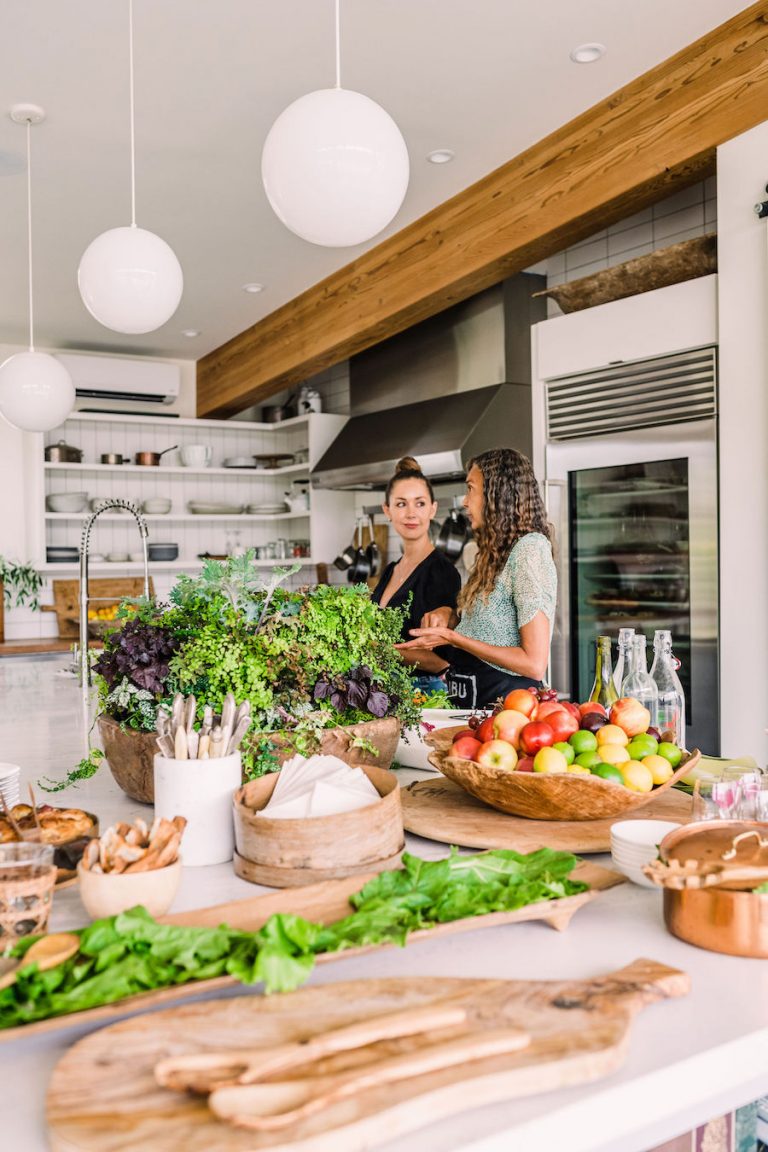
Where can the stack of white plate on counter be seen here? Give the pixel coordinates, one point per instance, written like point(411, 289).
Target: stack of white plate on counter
point(9, 783)
point(635, 843)
point(208, 508)
point(266, 509)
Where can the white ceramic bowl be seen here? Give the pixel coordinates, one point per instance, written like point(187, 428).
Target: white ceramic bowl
point(414, 752)
point(635, 843)
point(108, 893)
point(66, 501)
point(157, 506)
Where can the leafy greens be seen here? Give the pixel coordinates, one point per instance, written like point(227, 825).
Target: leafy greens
point(131, 953)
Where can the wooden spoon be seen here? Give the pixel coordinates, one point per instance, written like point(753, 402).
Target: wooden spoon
point(268, 1107)
point(46, 952)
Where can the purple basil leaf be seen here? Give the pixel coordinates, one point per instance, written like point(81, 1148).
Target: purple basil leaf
point(377, 703)
point(358, 694)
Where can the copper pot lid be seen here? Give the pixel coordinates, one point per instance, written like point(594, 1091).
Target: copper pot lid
point(727, 853)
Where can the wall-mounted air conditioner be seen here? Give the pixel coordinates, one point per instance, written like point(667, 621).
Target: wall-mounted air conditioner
point(121, 378)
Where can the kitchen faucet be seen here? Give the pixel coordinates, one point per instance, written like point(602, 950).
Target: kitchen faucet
point(85, 541)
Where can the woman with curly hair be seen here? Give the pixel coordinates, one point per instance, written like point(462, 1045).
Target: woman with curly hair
point(500, 638)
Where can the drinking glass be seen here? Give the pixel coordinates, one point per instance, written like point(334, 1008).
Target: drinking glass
point(716, 799)
point(761, 799)
point(27, 877)
point(749, 782)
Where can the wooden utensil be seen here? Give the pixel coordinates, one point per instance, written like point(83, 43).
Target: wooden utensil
point(678, 874)
point(203, 1072)
point(99, 1099)
point(269, 1107)
point(46, 952)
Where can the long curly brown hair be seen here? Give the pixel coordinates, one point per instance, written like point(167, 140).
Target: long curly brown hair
point(512, 507)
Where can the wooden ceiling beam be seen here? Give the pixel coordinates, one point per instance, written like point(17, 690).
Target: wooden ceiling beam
point(649, 138)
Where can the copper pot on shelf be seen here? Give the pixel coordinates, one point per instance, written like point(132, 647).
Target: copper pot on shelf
point(152, 459)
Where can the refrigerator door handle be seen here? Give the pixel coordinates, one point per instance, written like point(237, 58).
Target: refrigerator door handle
point(555, 492)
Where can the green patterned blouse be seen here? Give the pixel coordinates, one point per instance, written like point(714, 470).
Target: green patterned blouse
point(527, 584)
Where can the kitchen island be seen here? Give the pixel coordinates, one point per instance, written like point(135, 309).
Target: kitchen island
point(688, 1060)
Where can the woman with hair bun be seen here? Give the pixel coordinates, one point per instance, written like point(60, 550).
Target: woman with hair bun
point(500, 638)
point(422, 573)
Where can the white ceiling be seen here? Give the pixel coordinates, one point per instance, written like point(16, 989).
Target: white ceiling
point(486, 78)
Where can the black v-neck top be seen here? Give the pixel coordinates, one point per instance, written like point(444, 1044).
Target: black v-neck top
point(435, 583)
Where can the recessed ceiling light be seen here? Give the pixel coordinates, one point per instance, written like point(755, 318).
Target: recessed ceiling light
point(190, 332)
point(587, 53)
point(254, 287)
point(441, 156)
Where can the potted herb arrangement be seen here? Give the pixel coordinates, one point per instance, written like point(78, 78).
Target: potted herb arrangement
point(317, 664)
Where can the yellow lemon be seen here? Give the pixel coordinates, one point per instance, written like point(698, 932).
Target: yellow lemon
point(612, 754)
point(549, 760)
point(637, 776)
point(578, 770)
point(611, 734)
point(659, 767)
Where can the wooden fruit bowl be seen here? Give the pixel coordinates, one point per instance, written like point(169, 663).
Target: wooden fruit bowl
point(539, 796)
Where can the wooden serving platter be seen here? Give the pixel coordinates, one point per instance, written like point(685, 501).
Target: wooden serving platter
point(103, 1096)
point(441, 810)
point(325, 903)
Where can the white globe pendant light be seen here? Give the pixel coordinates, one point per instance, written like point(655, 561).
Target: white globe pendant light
point(129, 279)
point(36, 391)
point(335, 165)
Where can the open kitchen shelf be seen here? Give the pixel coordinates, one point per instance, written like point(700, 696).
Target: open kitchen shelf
point(125, 517)
point(171, 470)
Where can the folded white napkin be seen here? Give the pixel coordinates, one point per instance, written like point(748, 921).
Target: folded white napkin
point(318, 786)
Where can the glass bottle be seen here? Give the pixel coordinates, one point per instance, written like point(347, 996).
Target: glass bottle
point(623, 658)
point(638, 683)
point(671, 701)
point(604, 689)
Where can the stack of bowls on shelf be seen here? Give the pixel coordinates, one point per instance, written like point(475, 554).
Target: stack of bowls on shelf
point(635, 843)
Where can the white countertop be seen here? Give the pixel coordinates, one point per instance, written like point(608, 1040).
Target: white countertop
point(687, 1061)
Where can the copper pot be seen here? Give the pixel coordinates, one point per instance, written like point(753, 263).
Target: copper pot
point(152, 459)
point(716, 918)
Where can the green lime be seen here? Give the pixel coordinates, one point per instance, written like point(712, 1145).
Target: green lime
point(641, 746)
point(566, 749)
point(583, 741)
point(588, 759)
point(608, 772)
point(670, 752)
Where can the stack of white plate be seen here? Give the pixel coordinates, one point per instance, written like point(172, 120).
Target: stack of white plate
point(635, 843)
point(266, 509)
point(208, 508)
point(9, 783)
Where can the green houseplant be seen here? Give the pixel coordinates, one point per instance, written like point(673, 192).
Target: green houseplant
point(311, 661)
point(20, 586)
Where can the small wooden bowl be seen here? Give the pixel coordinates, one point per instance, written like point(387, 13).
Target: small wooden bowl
point(287, 853)
point(540, 796)
point(109, 893)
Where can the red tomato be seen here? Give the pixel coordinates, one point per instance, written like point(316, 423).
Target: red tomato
point(536, 735)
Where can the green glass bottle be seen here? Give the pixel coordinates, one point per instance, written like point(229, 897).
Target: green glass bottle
point(604, 689)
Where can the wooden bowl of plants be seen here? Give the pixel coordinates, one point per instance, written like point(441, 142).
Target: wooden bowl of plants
point(556, 791)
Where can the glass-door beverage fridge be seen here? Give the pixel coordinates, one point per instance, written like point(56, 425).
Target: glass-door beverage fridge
point(635, 518)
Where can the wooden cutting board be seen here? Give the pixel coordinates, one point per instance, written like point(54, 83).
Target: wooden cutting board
point(324, 903)
point(66, 602)
point(441, 810)
point(103, 1096)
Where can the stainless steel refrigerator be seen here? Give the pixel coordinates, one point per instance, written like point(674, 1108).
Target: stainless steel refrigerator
point(631, 490)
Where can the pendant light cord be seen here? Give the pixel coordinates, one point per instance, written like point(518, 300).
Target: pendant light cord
point(29, 234)
point(338, 48)
point(133, 142)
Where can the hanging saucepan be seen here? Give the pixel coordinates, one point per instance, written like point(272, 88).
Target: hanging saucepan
point(152, 459)
point(372, 551)
point(453, 534)
point(346, 558)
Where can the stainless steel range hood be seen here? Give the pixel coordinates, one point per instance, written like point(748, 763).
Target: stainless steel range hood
point(442, 391)
point(442, 434)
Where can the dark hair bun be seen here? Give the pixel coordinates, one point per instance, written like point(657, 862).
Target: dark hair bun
point(407, 464)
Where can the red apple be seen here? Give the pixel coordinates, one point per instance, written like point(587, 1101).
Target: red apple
point(484, 731)
point(497, 754)
point(521, 700)
point(591, 706)
point(466, 746)
point(591, 721)
point(462, 732)
point(535, 735)
point(563, 724)
point(508, 724)
point(630, 715)
point(548, 708)
point(525, 764)
point(572, 708)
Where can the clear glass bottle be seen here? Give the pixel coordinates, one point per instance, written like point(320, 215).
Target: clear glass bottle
point(638, 683)
point(604, 689)
point(623, 658)
point(671, 701)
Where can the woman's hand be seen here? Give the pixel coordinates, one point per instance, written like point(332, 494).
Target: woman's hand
point(428, 638)
point(439, 618)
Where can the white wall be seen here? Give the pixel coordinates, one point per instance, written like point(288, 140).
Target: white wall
point(742, 166)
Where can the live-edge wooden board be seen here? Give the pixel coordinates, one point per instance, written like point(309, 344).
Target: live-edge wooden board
point(103, 1096)
point(325, 903)
point(442, 810)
